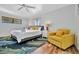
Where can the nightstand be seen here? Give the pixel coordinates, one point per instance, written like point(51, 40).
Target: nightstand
point(44, 34)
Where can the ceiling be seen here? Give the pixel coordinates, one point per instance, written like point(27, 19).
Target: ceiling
point(40, 9)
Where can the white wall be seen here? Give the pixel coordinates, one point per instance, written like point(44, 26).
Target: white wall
point(76, 21)
point(5, 28)
point(61, 18)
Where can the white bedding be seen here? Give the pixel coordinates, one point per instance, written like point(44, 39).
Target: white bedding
point(24, 34)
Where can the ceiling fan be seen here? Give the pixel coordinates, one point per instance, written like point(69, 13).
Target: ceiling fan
point(26, 7)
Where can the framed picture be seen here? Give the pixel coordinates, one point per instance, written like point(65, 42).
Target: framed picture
point(17, 21)
point(11, 20)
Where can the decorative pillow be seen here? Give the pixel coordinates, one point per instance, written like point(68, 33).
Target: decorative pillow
point(34, 27)
point(52, 33)
point(66, 31)
point(59, 33)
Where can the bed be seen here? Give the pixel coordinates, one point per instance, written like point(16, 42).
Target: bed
point(22, 36)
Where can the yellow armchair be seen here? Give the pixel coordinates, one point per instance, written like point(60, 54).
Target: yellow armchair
point(62, 38)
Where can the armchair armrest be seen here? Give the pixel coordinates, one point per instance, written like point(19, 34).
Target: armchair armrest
point(68, 37)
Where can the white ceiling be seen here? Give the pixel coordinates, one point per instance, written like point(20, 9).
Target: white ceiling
point(40, 9)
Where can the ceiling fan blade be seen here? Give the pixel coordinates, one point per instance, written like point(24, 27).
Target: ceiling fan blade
point(20, 4)
point(20, 8)
point(30, 6)
point(25, 5)
point(27, 10)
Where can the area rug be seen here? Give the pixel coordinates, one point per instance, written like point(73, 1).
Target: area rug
point(10, 46)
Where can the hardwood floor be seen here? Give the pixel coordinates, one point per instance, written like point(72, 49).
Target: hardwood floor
point(48, 48)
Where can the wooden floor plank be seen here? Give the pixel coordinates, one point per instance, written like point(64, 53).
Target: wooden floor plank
point(48, 48)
